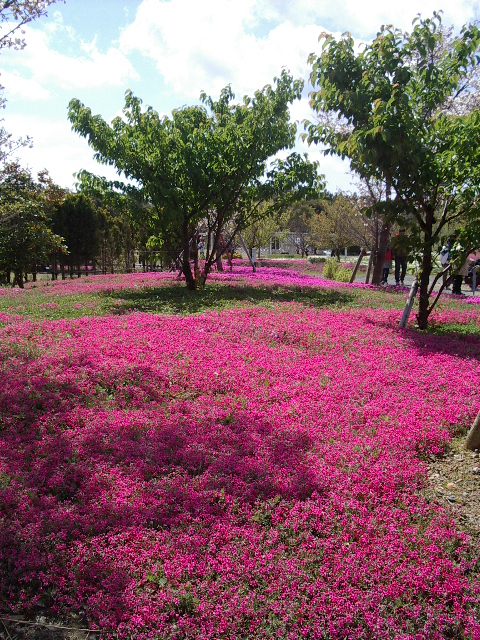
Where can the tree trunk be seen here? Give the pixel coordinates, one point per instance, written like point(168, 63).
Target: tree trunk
point(473, 437)
point(187, 270)
point(423, 310)
point(218, 249)
point(18, 279)
point(382, 249)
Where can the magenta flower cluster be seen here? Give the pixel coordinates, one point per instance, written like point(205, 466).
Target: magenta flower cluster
point(252, 473)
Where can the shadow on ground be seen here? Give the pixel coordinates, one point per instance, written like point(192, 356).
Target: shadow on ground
point(454, 330)
point(214, 297)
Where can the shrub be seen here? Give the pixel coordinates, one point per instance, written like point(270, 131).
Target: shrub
point(343, 274)
point(284, 256)
point(334, 270)
point(329, 269)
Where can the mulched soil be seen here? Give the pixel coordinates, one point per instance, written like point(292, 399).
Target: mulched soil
point(42, 628)
point(454, 482)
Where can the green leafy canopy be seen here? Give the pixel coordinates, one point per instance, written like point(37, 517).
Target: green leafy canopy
point(206, 163)
point(388, 109)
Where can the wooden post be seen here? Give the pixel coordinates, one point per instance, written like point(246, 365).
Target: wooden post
point(409, 305)
point(369, 268)
point(359, 261)
point(473, 437)
point(246, 251)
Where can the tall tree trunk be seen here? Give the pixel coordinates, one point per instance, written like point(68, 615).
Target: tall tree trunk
point(423, 310)
point(382, 249)
point(426, 270)
point(218, 249)
point(187, 270)
point(18, 278)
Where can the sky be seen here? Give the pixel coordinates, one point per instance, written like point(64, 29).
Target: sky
point(168, 51)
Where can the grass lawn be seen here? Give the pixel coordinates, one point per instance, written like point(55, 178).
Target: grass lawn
point(249, 460)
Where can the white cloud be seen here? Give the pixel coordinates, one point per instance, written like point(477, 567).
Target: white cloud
point(23, 88)
point(194, 45)
point(363, 19)
point(208, 45)
point(57, 148)
point(336, 170)
point(47, 66)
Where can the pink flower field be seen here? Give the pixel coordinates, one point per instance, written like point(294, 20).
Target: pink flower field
point(249, 473)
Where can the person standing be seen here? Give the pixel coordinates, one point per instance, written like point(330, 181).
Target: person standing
point(387, 265)
point(458, 278)
point(400, 251)
point(201, 248)
point(445, 261)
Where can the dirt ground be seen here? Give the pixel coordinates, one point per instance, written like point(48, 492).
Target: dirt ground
point(454, 482)
point(23, 628)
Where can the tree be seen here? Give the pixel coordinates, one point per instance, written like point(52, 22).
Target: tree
point(25, 235)
point(124, 226)
point(388, 109)
point(206, 164)
point(77, 221)
point(338, 225)
point(299, 217)
point(259, 233)
point(16, 14)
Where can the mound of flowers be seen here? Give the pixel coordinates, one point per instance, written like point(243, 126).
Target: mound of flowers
point(246, 474)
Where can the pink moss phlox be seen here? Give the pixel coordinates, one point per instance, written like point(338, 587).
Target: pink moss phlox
point(250, 473)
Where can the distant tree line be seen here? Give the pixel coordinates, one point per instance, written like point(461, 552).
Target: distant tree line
point(46, 228)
